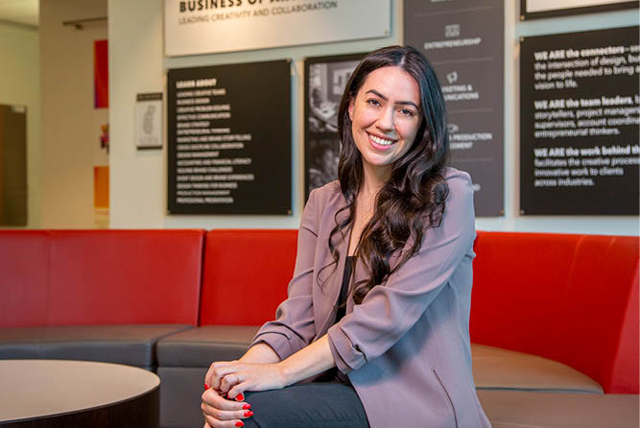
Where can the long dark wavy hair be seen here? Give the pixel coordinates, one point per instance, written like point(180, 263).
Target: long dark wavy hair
point(413, 199)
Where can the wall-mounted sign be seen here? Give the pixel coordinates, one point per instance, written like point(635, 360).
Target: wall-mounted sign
point(579, 118)
point(533, 9)
point(149, 120)
point(464, 41)
point(326, 78)
point(210, 26)
point(229, 139)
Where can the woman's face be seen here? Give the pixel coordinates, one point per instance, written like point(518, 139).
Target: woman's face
point(385, 116)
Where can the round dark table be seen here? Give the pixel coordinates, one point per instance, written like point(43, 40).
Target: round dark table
point(60, 393)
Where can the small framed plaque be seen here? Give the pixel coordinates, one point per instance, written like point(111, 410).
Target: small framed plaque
point(149, 121)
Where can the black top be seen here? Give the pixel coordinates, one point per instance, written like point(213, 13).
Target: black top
point(344, 290)
point(334, 375)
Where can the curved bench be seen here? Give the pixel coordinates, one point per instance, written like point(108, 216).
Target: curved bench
point(97, 295)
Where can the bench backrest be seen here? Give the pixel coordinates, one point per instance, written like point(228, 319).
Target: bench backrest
point(246, 273)
point(24, 277)
point(65, 277)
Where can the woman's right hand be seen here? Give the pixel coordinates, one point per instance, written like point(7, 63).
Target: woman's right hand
point(220, 412)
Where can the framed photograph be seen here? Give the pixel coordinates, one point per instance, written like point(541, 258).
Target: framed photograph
point(325, 81)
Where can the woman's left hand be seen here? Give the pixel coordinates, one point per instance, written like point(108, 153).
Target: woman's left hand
point(235, 377)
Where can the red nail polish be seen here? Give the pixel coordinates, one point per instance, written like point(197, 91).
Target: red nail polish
point(246, 406)
point(239, 397)
point(248, 413)
point(206, 386)
point(239, 424)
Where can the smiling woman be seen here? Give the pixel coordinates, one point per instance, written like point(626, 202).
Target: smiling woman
point(377, 315)
point(385, 117)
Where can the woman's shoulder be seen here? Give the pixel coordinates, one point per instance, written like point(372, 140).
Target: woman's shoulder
point(322, 205)
point(459, 208)
point(460, 187)
point(458, 180)
point(328, 194)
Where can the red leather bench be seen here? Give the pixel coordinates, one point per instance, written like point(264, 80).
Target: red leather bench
point(97, 295)
point(550, 312)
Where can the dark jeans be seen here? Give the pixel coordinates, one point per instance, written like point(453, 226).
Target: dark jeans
point(311, 405)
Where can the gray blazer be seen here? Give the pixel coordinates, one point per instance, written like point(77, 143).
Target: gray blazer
point(405, 348)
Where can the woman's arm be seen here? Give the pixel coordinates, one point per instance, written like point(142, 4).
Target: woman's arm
point(309, 361)
point(216, 407)
point(260, 353)
point(233, 378)
point(236, 377)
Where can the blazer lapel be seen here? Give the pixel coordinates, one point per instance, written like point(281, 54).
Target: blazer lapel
point(326, 294)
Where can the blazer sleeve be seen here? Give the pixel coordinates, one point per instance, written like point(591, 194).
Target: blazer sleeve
point(388, 311)
point(294, 326)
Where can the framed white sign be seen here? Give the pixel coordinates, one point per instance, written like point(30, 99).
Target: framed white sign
point(149, 121)
point(194, 27)
point(532, 9)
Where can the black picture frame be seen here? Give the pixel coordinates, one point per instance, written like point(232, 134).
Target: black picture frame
point(551, 165)
point(254, 138)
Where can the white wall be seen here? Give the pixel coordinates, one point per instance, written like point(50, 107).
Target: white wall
point(20, 85)
point(139, 179)
point(71, 126)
